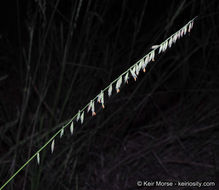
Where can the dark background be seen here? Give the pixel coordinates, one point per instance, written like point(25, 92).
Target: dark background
point(55, 56)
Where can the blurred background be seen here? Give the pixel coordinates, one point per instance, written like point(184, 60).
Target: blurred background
point(56, 55)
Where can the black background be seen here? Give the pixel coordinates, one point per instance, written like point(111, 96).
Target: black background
point(163, 127)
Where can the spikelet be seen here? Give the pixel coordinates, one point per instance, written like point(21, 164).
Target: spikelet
point(38, 158)
point(146, 61)
point(178, 34)
point(93, 110)
point(110, 90)
point(139, 66)
point(151, 56)
point(141, 63)
point(72, 128)
point(118, 84)
point(170, 42)
point(78, 116)
point(190, 26)
point(174, 38)
point(161, 47)
point(185, 29)
point(143, 66)
point(137, 69)
point(133, 73)
point(89, 106)
point(181, 32)
point(62, 133)
point(52, 146)
point(100, 98)
point(126, 77)
point(155, 47)
point(165, 45)
point(82, 117)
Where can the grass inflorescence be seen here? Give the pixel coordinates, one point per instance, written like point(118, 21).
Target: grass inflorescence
point(133, 72)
